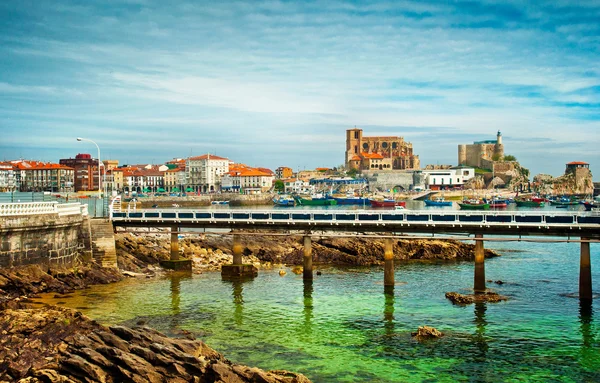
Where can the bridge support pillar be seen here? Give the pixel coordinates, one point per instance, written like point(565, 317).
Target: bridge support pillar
point(237, 249)
point(174, 262)
point(307, 264)
point(479, 282)
point(237, 269)
point(585, 272)
point(388, 257)
point(174, 244)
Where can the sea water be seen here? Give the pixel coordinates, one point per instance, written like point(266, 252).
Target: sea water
point(345, 327)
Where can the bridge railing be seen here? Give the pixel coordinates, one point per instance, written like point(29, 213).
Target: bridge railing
point(364, 216)
point(36, 208)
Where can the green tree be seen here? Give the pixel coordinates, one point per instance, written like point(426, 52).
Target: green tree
point(496, 157)
point(279, 186)
point(352, 173)
point(510, 157)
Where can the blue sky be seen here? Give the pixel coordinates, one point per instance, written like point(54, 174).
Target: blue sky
point(277, 83)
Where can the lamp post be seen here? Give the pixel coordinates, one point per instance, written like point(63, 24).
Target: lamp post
point(99, 183)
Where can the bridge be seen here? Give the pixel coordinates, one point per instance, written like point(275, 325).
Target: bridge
point(582, 227)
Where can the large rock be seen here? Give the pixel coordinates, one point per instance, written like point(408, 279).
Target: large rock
point(463, 299)
point(427, 332)
point(59, 345)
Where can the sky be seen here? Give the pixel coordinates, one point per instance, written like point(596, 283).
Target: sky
point(277, 83)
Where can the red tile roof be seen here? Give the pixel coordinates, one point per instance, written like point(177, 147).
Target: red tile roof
point(373, 156)
point(208, 156)
point(577, 163)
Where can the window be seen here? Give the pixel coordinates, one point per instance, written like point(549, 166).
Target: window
point(366, 146)
point(356, 134)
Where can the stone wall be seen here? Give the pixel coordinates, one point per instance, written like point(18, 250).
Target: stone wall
point(45, 239)
point(387, 180)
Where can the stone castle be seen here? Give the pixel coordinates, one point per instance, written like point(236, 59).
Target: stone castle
point(481, 154)
point(378, 153)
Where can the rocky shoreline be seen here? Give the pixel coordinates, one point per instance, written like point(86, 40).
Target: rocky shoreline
point(51, 344)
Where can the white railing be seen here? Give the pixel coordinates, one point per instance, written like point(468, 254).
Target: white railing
point(36, 208)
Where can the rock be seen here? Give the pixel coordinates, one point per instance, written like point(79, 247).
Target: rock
point(319, 273)
point(282, 272)
point(462, 299)
point(60, 345)
point(297, 270)
point(426, 332)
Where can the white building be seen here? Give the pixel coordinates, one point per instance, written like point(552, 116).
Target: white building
point(299, 186)
point(442, 179)
point(247, 181)
point(8, 181)
point(203, 173)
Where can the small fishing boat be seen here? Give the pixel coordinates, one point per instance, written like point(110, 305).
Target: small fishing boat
point(497, 203)
point(386, 202)
point(530, 202)
point(351, 200)
point(563, 201)
point(439, 201)
point(589, 205)
point(474, 205)
point(316, 200)
point(284, 200)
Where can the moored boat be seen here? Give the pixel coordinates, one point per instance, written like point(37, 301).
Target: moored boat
point(591, 205)
point(316, 200)
point(564, 201)
point(387, 203)
point(351, 200)
point(440, 201)
point(533, 202)
point(496, 203)
point(474, 205)
point(283, 200)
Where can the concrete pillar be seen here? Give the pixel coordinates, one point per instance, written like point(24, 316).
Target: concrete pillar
point(479, 285)
point(237, 249)
point(585, 272)
point(174, 244)
point(308, 268)
point(388, 257)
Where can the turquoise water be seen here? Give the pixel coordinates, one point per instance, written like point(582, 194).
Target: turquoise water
point(344, 327)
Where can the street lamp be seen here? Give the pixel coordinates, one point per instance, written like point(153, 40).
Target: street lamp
point(99, 184)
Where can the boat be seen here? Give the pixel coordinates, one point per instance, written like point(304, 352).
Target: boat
point(439, 201)
point(530, 202)
point(351, 200)
point(315, 200)
point(386, 202)
point(284, 200)
point(563, 201)
point(474, 205)
point(220, 202)
point(591, 205)
point(497, 203)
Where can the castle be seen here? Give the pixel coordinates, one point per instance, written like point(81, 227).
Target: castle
point(481, 154)
point(378, 153)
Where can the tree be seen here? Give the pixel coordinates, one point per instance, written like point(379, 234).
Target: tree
point(352, 173)
point(279, 185)
point(510, 157)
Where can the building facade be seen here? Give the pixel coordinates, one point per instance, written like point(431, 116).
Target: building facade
point(444, 179)
point(481, 154)
point(203, 173)
point(382, 153)
point(86, 171)
point(35, 176)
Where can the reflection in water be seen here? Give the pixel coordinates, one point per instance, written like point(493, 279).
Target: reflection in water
point(388, 310)
point(586, 316)
point(481, 323)
point(237, 285)
point(308, 305)
point(176, 278)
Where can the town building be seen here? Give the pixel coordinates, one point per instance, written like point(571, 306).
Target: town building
point(110, 164)
point(246, 180)
point(86, 171)
point(8, 180)
point(444, 179)
point(203, 173)
point(114, 179)
point(481, 154)
point(36, 176)
point(283, 172)
point(381, 153)
point(298, 186)
point(175, 180)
